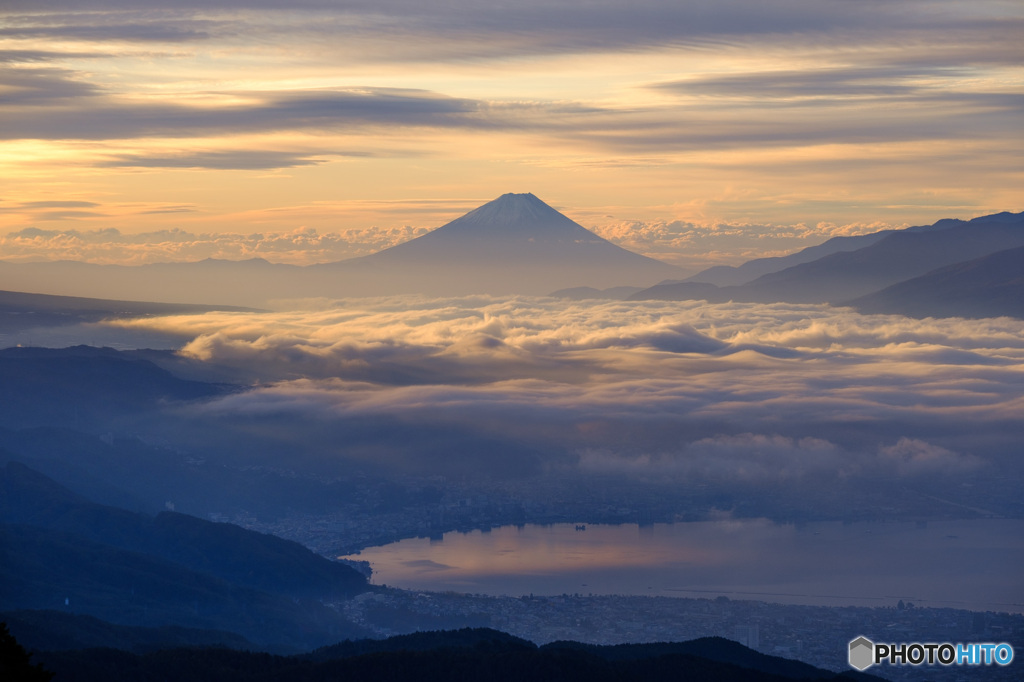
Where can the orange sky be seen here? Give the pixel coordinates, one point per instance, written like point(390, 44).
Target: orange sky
point(691, 133)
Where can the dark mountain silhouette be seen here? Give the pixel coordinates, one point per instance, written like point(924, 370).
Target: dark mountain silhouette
point(844, 276)
point(461, 655)
point(84, 383)
point(898, 257)
point(171, 569)
point(19, 310)
point(421, 641)
point(16, 662)
point(710, 648)
point(50, 630)
point(728, 275)
point(229, 552)
point(734, 275)
point(989, 286)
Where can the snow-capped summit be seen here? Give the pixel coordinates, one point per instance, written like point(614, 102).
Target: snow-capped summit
point(515, 244)
point(513, 216)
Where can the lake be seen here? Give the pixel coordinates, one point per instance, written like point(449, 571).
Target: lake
point(972, 564)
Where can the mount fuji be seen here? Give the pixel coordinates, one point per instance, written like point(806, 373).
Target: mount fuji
point(515, 244)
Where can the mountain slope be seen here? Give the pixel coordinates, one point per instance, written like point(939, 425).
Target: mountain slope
point(241, 557)
point(844, 276)
point(727, 275)
point(52, 630)
point(900, 256)
point(515, 244)
point(60, 551)
point(735, 275)
point(455, 655)
point(989, 286)
point(83, 384)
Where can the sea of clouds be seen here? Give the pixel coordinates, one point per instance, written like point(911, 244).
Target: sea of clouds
point(735, 391)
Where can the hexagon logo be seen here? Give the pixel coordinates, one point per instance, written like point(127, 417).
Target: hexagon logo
point(862, 653)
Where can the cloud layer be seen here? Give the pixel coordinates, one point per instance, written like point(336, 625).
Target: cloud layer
point(689, 245)
point(732, 392)
point(742, 112)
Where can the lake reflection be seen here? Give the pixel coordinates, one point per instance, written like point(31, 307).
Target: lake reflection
point(961, 564)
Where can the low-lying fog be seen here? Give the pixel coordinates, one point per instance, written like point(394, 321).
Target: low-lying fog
point(745, 392)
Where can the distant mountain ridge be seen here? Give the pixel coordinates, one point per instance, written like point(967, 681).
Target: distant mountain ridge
point(730, 275)
point(515, 244)
point(989, 286)
point(78, 384)
point(895, 258)
point(735, 275)
point(19, 310)
point(454, 655)
point(848, 276)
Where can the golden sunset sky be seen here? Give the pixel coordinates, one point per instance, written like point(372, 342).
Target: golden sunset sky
point(695, 132)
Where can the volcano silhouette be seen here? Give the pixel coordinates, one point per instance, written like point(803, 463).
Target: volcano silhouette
point(514, 244)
